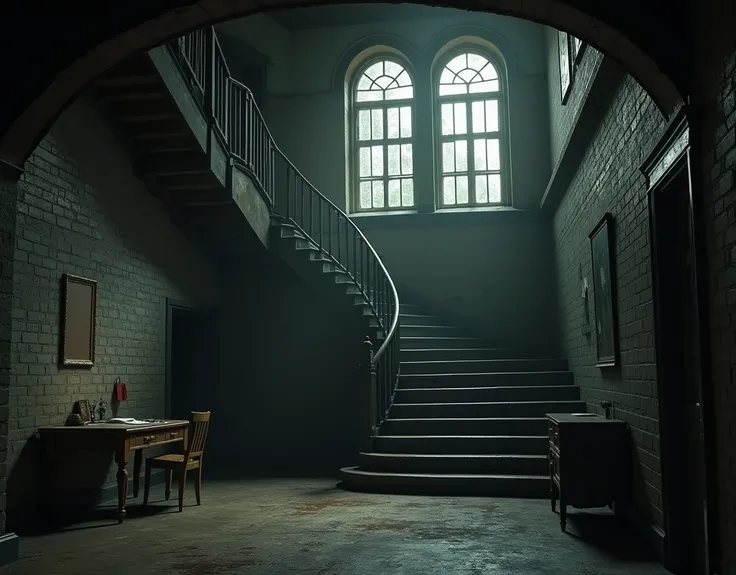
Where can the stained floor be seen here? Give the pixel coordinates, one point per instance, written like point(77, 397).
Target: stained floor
point(269, 527)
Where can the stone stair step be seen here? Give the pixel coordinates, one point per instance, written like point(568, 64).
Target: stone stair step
point(521, 378)
point(412, 330)
point(466, 426)
point(453, 354)
point(428, 342)
point(531, 486)
point(462, 444)
point(482, 365)
point(512, 393)
point(485, 409)
point(420, 319)
point(505, 464)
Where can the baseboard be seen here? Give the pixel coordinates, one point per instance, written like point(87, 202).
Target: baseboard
point(652, 535)
point(8, 549)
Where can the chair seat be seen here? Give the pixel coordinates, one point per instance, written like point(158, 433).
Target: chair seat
point(171, 460)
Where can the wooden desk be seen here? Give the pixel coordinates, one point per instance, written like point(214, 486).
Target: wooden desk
point(116, 437)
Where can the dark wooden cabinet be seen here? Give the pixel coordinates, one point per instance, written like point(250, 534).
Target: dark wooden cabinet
point(588, 462)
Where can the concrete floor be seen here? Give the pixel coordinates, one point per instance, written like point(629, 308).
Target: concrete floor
point(308, 526)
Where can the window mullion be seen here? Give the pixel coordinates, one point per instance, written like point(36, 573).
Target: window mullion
point(471, 153)
point(385, 157)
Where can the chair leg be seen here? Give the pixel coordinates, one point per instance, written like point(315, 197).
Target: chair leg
point(167, 482)
point(198, 485)
point(147, 485)
point(182, 483)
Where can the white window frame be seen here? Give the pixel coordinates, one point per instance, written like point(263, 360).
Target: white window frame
point(501, 97)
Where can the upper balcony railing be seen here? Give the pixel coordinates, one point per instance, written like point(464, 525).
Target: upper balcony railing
point(238, 123)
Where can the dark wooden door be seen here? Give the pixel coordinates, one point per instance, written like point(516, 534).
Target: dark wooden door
point(678, 367)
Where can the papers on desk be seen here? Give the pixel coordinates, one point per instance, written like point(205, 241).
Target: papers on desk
point(127, 421)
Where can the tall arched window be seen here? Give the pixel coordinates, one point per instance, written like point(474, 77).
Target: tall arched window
point(472, 147)
point(383, 133)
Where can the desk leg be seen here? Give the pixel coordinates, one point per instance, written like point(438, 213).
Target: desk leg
point(137, 462)
point(121, 458)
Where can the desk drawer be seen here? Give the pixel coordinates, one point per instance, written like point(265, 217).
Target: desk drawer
point(157, 437)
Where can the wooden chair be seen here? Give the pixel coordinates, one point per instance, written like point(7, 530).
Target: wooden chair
point(180, 463)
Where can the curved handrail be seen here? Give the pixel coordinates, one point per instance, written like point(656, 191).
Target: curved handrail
point(229, 105)
point(394, 293)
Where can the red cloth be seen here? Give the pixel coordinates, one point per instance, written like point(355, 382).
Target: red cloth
point(121, 391)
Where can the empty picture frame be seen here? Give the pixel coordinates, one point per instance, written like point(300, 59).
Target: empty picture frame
point(78, 320)
point(604, 292)
point(563, 46)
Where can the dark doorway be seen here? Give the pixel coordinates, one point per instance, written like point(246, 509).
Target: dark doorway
point(191, 360)
point(679, 374)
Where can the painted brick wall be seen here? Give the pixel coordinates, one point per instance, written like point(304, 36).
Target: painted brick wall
point(8, 193)
point(715, 79)
point(562, 118)
point(609, 180)
point(82, 211)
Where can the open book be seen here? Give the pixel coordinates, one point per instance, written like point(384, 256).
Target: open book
point(127, 421)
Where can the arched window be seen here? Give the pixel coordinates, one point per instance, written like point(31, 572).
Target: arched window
point(472, 148)
point(383, 133)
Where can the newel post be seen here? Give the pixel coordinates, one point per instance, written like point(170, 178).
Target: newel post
point(367, 395)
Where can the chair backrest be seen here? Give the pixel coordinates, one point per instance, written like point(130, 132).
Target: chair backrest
point(198, 429)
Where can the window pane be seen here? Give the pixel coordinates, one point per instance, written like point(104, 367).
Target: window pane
point(407, 192)
point(364, 125)
point(453, 89)
point(461, 156)
point(494, 154)
point(405, 122)
point(370, 96)
point(364, 158)
point(479, 155)
point(494, 188)
point(448, 191)
point(394, 168)
point(403, 93)
point(392, 123)
point(448, 124)
point(377, 124)
point(406, 160)
point(478, 117)
point(462, 189)
point(492, 115)
point(481, 87)
point(448, 157)
point(394, 193)
point(376, 160)
point(481, 189)
point(365, 195)
point(392, 69)
point(378, 199)
point(461, 119)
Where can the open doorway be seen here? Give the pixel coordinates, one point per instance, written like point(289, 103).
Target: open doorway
point(191, 360)
point(679, 373)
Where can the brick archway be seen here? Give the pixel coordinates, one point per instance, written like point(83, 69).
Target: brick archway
point(631, 31)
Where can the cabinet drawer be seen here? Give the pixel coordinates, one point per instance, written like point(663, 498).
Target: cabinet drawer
point(158, 437)
point(554, 464)
point(554, 435)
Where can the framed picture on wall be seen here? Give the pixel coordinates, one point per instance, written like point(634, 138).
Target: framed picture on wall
point(78, 320)
point(604, 292)
point(563, 45)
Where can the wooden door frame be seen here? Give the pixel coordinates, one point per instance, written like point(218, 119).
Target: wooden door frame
point(171, 306)
point(672, 475)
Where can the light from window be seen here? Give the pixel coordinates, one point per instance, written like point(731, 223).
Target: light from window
point(470, 134)
point(384, 137)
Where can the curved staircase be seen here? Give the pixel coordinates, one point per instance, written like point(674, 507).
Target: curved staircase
point(467, 419)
